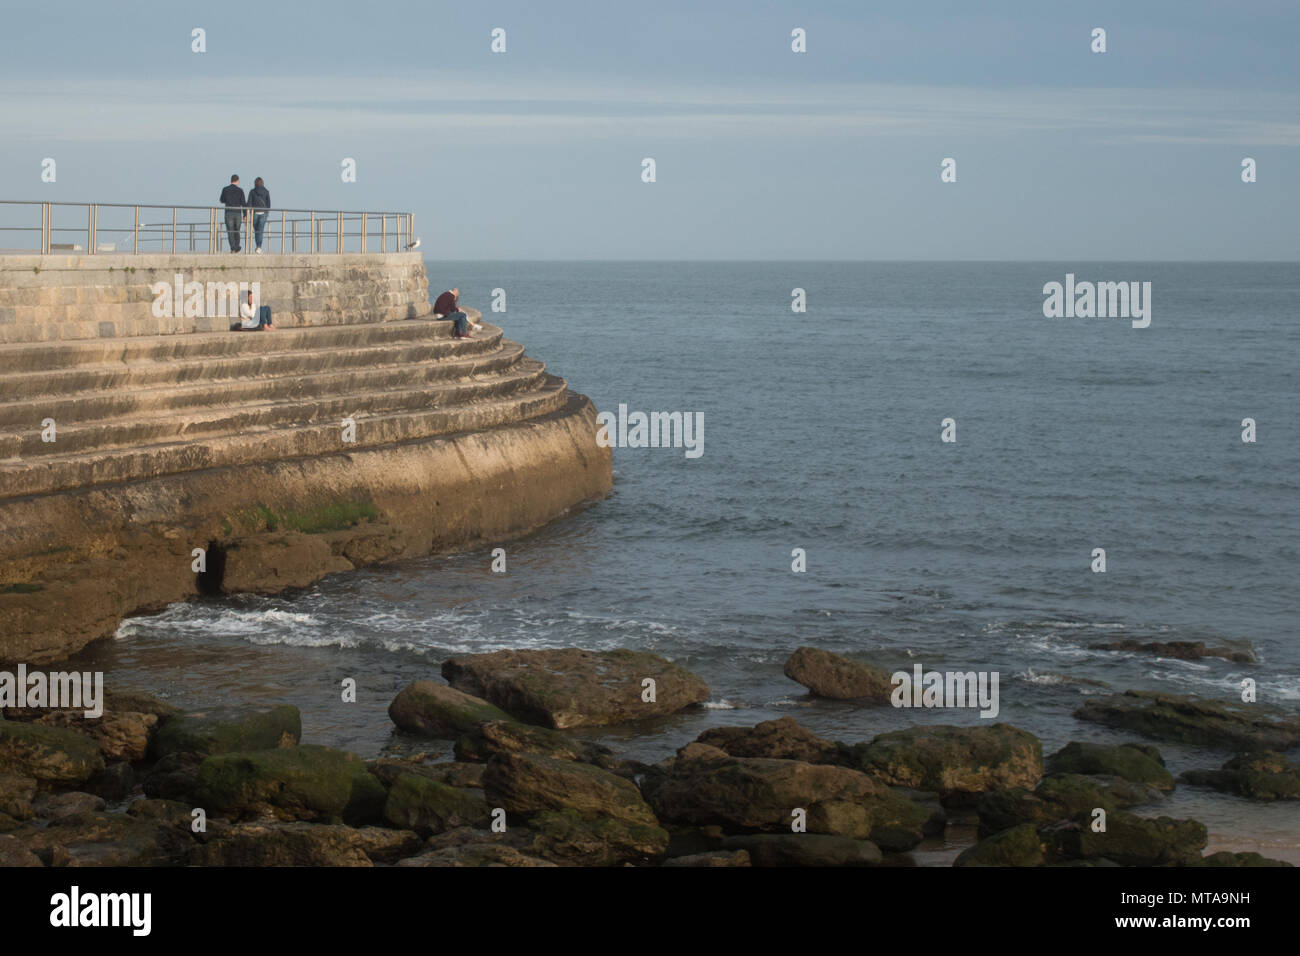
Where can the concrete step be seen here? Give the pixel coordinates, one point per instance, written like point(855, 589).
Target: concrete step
point(53, 473)
point(234, 420)
point(292, 383)
point(26, 357)
point(89, 378)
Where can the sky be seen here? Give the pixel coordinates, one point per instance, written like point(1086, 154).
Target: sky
point(760, 153)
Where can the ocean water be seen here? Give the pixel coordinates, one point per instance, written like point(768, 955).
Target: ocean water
point(822, 432)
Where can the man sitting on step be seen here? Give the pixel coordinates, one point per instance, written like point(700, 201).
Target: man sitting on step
point(255, 319)
point(447, 307)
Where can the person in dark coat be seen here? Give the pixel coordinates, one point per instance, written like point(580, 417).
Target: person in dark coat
point(232, 197)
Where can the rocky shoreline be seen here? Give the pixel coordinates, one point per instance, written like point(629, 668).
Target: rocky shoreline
point(145, 784)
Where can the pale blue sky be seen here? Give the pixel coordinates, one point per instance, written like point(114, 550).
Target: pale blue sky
point(761, 153)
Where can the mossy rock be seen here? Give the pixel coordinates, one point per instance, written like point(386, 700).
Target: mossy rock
point(564, 836)
point(227, 730)
point(309, 782)
point(1017, 846)
point(427, 806)
point(436, 710)
point(1139, 763)
point(511, 736)
point(804, 849)
point(1259, 776)
point(49, 754)
point(954, 760)
point(1130, 840)
point(1225, 858)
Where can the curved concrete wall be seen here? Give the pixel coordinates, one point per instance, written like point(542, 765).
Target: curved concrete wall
point(57, 297)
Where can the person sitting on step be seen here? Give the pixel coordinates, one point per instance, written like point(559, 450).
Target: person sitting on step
point(447, 307)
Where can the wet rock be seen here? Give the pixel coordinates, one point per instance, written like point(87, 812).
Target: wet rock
point(172, 813)
point(511, 736)
point(1187, 719)
point(1059, 797)
point(220, 730)
point(1224, 858)
point(1259, 776)
point(53, 806)
point(106, 839)
point(115, 782)
point(436, 710)
point(120, 735)
point(383, 845)
point(954, 760)
point(832, 675)
point(711, 858)
point(283, 844)
point(473, 848)
point(782, 739)
point(704, 785)
point(13, 852)
point(308, 782)
point(453, 774)
point(576, 688)
point(174, 777)
point(1139, 763)
point(1129, 840)
point(567, 837)
point(1236, 651)
point(427, 806)
point(52, 755)
point(804, 849)
point(527, 784)
point(1017, 846)
point(16, 794)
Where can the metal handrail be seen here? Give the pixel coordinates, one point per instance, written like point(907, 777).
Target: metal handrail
point(210, 231)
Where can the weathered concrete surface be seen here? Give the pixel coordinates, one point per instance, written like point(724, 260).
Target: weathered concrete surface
point(234, 443)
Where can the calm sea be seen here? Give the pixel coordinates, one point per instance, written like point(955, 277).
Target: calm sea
point(822, 432)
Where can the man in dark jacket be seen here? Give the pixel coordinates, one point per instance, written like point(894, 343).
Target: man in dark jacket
point(447, 307)
point(232, 197)
point(260, 199)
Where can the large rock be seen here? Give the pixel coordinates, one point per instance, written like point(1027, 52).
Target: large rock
point(1018, 846)
point(782, 739)
point(838, 677)
point(576, 688)
point(283, 844)
point(426, 806)
point(528, 784)
point(453, 774)
point(1129, 840)
point(1139, 763)
point(1187, 719)
point(1059, 797)
point(1224, 858)
point(954, 760)
point(464, 847)
point(121, 735)
point(566, 837)
point(107, 839)
point(436, 710)
point(1237, 651)
point(1259, 776)
point(52, 755)
point(711, 859)
point(804, 849)
point(16, 794)
point(309, 782)
point(704, 785)
point(13, 852)
point(228, 729)
point(511, 736)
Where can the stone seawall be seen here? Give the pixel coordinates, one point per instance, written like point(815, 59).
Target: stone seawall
point(57, 297)
point(336, 441)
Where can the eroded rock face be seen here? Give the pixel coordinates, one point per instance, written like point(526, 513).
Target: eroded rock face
point(1259, 776)
point(576, 688)
point(52, 755)
point(528, 784)
point(782, 739)
point(106, 839)
point(436, 710)
point(511, 736)
point(954, 760)
point(1187, 719)
point(835, 676)
point(283, 844)
point(566, 837)
point(704, 785)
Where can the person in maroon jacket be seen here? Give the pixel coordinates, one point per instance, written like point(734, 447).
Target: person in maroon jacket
point(446, 307)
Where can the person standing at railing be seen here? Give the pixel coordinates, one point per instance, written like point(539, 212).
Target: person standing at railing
point(232, 197)
point(260, 199)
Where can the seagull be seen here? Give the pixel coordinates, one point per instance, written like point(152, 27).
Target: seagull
point(413, 245)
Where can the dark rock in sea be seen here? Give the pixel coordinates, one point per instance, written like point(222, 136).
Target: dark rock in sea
point(954, 760)
point(53, 755)
point(1017, 846)
point(511, 736)
point(527, 784)
point(1259, 776)
point(831, 675)
point(705, 785)
point(1128, 839)
point(804, 849)
point(436, 710)
point(308, 782)
point(283, 844)
point(782, 739)
point(1059, 797)
point(567, 837)
point(1139, 763)
point(712, 858)
point(1187, 719)
point(227, 729)
point(427, 806)
point(174, 777)
point(576, 688)
point(1237, 651)
point(1224, 858)
point(106, 839)
point(452, 773)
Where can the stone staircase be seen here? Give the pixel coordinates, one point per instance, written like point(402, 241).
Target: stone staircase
point(150, 406)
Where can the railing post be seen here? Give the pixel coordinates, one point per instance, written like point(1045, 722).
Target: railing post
point(45, 228)
point(363, 232)
point(281, 232)
point(340, 229)
point(311, 223)
point(135, 233)
point(383, 233)
point(90, 229)
point(173, 229)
